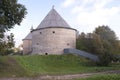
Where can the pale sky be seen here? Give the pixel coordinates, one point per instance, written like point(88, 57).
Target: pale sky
point(83, 15)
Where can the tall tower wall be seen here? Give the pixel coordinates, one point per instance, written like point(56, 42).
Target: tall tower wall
point(53, 40)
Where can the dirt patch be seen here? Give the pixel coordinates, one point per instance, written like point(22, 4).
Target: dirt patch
point(9, 67)
point(11, 60)
point(64, 77)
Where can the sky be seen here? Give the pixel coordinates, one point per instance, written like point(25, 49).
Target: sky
point(83, 15)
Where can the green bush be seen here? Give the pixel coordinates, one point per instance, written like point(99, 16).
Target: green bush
point(105, 59)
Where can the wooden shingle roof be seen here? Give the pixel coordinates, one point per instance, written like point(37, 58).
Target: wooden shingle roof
point(53, 19)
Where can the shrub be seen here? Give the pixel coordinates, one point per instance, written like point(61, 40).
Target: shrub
point(105, 59)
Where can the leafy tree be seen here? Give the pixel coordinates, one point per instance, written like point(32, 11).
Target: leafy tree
point(109, 39)
point(102, 42)
point(105, 33)
point(7, 44)
point(105, 59)
point(90, 42)
point(111, 47)
point(11, 13)
point(80, 43)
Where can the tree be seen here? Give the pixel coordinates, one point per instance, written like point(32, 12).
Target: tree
point(111, 47)
point(90, 42)
point(109, 39)
point(11, 13)
point(102, 42)
point(80, 42)
point(7, 44)
point(105, 33)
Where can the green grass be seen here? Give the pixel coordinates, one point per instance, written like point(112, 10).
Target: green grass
point(36, 65)
point(59, 64)
point(10, 68)
point(102, 77)
point(52, 64)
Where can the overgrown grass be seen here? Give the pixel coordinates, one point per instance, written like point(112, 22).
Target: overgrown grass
point(102, 77)
point(36, 65)
point(10, 68)
point(59, 64)
point(52, 64)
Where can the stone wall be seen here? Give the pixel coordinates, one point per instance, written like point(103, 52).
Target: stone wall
point(81, 53)
point(27, 46)
point(53, 40)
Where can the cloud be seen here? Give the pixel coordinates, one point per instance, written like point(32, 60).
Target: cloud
point(94, 12)
point(91, 19)
point(68, 3)
point(98, 4)
point(77, 9)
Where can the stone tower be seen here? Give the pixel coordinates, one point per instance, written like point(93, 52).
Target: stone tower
point(52, 35)
point(27, 44)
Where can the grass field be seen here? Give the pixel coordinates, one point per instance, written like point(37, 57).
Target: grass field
point(10, 68)
point(47, 64)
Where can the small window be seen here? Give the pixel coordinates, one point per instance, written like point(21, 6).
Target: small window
point(37, 43)
point(53, 32)
point(40, 32)
point(68, 44)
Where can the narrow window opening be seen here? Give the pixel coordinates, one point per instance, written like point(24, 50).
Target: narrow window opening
point(40, 32)
point(37, 43)
point(53, 31)
point(68, 44)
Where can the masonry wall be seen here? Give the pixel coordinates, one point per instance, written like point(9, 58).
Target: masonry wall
point(53, 40)
point(27, 46)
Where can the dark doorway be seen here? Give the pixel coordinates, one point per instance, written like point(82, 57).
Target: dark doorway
point(46, 53)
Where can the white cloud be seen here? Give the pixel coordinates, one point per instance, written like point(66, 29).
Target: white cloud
point(98, 4)
point(94, 12)
point(87, 1)
point(77, 9)
point(115, 10)
point(67, 3)
point(91, 19)
point(97, 17)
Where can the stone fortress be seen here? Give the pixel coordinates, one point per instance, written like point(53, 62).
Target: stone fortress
point(52, 36)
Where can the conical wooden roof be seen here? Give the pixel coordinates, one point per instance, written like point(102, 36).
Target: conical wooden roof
point(53, 19)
